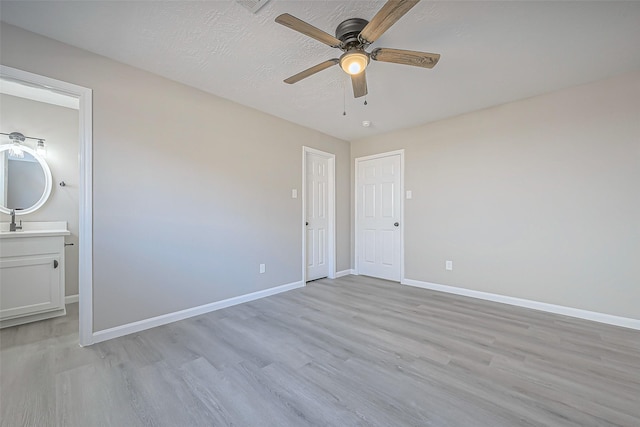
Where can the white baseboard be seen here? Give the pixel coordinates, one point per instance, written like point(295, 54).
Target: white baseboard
point(32, 318)
point(536, 305)
point(70, 299)
point(344, 273)
point(141, 325)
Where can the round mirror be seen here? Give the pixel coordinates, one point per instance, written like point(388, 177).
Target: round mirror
point(25, 182)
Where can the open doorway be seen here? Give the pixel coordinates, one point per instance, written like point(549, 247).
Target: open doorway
point(71, 166)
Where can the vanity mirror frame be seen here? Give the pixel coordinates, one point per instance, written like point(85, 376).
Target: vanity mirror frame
point(48, 182)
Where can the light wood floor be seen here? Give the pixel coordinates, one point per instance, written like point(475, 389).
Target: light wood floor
point(349, 352)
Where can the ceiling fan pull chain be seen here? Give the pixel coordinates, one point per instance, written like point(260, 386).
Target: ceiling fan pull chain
point(344, 99)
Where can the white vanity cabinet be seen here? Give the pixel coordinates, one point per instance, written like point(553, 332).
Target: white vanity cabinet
point(32, 273)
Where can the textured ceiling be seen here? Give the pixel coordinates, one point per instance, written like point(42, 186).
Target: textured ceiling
point(492, 52)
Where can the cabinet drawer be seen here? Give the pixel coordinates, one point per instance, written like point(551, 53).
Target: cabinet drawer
point(29, 285)
point(21, 246)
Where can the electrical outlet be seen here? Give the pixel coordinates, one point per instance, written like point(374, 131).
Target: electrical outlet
point(263, 268)
point(448, 265)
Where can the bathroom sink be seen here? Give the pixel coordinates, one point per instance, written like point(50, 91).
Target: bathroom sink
point(35, 229)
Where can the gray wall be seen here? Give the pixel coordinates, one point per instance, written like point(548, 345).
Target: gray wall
point(59, 127)
point(537, 199)
point(191, 191)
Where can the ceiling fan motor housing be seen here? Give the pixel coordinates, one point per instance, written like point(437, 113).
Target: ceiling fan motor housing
point(347, 32)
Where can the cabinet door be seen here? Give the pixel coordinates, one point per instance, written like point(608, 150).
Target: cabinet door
point(29, 285)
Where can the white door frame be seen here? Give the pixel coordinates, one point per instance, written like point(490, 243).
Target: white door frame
point(331, 209)
point(357, 195)
point(85, 238)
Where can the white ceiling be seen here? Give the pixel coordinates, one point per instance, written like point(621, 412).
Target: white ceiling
point(492, 52)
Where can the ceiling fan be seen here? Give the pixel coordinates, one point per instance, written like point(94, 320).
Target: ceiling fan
point(353, 36)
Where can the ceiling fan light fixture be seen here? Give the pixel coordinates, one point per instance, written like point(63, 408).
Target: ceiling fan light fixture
point(354, 61)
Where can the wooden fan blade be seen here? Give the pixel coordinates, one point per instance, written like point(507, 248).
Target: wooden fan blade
point(406, 57)
point(307, 29)
point(359, 83)
point(385, 18)
point(311, 71)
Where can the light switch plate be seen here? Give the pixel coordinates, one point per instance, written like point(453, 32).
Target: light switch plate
point(409, 194)
point(294, 194)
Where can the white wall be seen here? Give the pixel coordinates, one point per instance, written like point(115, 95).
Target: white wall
point(537, 199)
point(191, 191)
point(59, 127)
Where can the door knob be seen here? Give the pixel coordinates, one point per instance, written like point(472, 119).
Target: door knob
point(306, 223)
point(55, 263)
point(395, 224)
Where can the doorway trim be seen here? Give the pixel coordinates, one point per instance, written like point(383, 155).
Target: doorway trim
point(331, 209)
point(85, 193)
point(356, 245)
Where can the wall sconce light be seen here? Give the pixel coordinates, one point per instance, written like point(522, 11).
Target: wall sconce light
point(41, 148)
point(17, 141)
point(16, 147)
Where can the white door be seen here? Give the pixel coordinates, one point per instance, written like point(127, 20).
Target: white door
point(378, 216)
point(317, 216)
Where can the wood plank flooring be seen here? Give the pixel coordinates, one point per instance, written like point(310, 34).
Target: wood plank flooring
point(355, 351)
